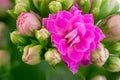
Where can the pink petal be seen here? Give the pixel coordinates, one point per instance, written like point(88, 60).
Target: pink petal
point(90, 26)
point(92, 46)
point(82, 46)
point(73, 9)
point(76, 19)
point(63, 46)
point(70, 64)
point(74, 55)
point(86, 59)
point(52, 16)
point(70, 36)
point(44, 22)
point(73, 68)
point(97, 36)
point(56, 39)
point(62, 25)
point(66, 14)
point(50, 26)
point(100, 32)
point(89, 35)
point(88, 18)
point(81, 28)
point(75, 41)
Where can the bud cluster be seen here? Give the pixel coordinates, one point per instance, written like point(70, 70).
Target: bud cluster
point(99, 8)
point(33, 40)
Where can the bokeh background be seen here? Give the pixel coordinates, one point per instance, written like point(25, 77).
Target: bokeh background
point(18, 70)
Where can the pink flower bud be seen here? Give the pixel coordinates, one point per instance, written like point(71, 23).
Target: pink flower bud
point(27, 23)
point(111, 28)
point(52, 56)
point(31, 54)
point(99, 55)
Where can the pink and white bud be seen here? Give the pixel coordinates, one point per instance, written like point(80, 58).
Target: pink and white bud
point(111, 28)
point(27, 23)
point(99, 56)
point(31, 54)
point(52, 56)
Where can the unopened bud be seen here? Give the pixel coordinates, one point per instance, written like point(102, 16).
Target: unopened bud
point(96, 7)
point(18, 39)
point(52, 56)
point(27, 23)
point(99, 77)
point(43, 36)
point(114, 48)
point(55, 6)
point(21, 7)
point(42, 6)
point(99, 56)
point(113, 63)
point(111, 28)
point(84, 5)
point(66, 4)
point(108, 7)
point(31, 54)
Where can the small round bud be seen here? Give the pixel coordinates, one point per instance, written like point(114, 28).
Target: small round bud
point(18, 39)
point(52, 56)
point(66, 4)
point(20, 7)
point(43, 36)
point(55, 6)
point(84, 5)
point(113, 63)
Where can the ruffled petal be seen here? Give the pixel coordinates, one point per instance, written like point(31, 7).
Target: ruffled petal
point(74, 55)
point(50, 26)
point(82, 46)
point(62, 25)
point(66, 15)
point(80, 27)
point(89, 35)
point(88, 18)
point(63, 46)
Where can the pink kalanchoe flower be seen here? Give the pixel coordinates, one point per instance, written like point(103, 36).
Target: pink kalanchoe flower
point(74, 35)
point(27, 23)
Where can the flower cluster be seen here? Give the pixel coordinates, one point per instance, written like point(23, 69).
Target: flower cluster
point(68, 30)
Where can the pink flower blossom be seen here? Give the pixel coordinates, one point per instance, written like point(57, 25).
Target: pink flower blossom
point(27, 23)
point(74, 35)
